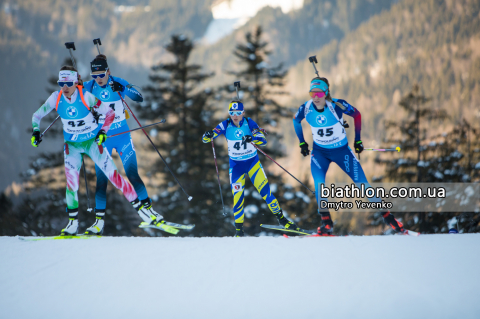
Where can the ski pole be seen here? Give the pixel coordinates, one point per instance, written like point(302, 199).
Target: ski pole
point(313, 60)
point(178, 182)
point(98, 43)
point(283, 168)
point(396, 149)
point(70, 46)
point(138, 128)
point(41, 135)
point(218, 177)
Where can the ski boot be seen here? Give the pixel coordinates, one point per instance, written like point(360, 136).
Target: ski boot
point(72, 227)
point(327, 224)
point(283, 221)
point(239, 230)
point(146, 212)
point(97, 227)
point(397, 226)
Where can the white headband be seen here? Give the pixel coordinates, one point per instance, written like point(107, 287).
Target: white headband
point(68, 76)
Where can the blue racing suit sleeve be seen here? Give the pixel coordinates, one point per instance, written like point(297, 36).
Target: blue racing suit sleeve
point(129, 91)
point(217, 131)
point(297, 123)
point(353, 112)
point(258, 136)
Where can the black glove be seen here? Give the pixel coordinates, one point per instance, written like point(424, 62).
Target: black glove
point(209, 134)
point(116, 87)
point(101, 137)
point(247, 139)
point(304, 147)
point(35, 140)
point(358, 145)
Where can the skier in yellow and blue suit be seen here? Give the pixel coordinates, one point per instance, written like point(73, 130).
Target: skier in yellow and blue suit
point(240, 133)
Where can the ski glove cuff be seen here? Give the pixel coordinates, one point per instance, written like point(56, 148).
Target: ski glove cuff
point(35, 140)
point(358, 145)
point(247, 139)
point(305, 151)
point(116, 87)
point(101, 137)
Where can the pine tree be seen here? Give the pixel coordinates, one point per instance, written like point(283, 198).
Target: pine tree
point(174, 94)
point(447, 157)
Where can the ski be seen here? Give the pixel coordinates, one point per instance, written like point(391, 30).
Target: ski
point(169, 227)
point(296, 231)
point(56, 237)
point(410, 233)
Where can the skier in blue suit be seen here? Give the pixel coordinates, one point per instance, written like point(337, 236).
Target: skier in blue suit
point(330, 144)
point(105, 87)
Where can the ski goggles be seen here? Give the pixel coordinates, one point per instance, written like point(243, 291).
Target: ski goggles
point(237, 113)
point(317, 94)
point(101, 75)
point(67, 83)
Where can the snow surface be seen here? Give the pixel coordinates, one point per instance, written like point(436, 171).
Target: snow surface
point(431, 276)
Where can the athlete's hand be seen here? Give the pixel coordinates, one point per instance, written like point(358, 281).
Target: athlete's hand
point(305, 151)
point(247, 139)
point(358, 145)
point(209, 134)
point(116, 87)
point(101, 137)
point(35, 140)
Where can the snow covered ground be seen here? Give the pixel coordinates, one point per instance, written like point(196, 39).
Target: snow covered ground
point(431, 276)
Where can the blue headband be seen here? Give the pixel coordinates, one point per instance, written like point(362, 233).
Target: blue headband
point(319, 84)
point(235, 106)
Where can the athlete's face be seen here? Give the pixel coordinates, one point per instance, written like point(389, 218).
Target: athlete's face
point(236, 118)
point(102, 81)
point(319, 101)
point(68, 91)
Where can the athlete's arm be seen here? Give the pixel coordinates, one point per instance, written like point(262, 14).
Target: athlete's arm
point(88, 85)
point(297, 123)
point(101, 108)
point(46, 108)
point(258, 136)
point(353, 112)
point(129, 90)
point(217, 131)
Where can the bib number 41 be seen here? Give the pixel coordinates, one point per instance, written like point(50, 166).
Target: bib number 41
point(328, 132)
point(238, 145)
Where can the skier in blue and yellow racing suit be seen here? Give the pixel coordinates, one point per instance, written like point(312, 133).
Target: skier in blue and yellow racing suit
point(240, 133)
point(330, 144)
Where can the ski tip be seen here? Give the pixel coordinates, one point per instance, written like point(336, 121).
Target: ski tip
point(286, 236)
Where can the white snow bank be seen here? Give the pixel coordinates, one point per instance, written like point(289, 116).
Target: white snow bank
point(432, 276)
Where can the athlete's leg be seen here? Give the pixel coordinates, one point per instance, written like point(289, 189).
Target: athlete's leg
point(348, 162)
point(127, 153)
point(237, 182)
point(106, 164)
point(102, 180)
point(72, 153)
point(319, 165)
point(73, 162)
point(259, 179)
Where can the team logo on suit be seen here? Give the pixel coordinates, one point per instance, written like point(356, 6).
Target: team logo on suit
point(238, 133)
point(105, 94)
point(72, 111)
point(321, 120)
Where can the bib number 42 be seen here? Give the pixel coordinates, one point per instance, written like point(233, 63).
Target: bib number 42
point(79, 123)
point(328, 132)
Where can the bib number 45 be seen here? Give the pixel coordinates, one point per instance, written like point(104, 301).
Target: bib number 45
point(328, 132)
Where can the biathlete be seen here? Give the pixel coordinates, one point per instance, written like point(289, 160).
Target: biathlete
point(325, 116)
point(240, 132)
point(79, 110)
point(105, 87)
